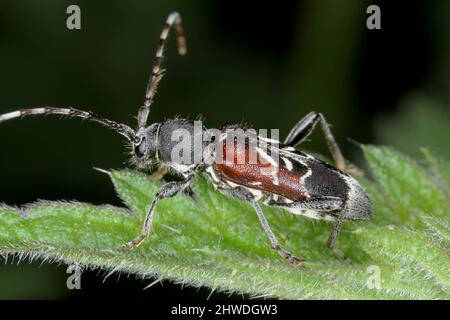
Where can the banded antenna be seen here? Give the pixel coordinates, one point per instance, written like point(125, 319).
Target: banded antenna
point(174, 19)
point(120, 128)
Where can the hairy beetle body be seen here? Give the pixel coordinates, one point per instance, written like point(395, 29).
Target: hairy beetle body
point(298, 182)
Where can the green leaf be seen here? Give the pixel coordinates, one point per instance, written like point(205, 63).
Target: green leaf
point(420, 266)
point(217, 242)
point(440, 171)
point(404, 187)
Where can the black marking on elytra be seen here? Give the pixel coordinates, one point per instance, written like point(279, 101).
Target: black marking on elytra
point(325, 182)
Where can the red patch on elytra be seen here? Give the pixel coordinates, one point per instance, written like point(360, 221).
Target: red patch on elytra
point(275, 177)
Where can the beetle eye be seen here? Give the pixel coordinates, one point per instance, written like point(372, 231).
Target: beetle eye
point(137, 140)
point(139, 147)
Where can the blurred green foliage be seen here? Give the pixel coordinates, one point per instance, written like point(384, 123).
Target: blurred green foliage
point(420, 121)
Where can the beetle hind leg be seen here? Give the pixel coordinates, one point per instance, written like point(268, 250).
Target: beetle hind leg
point(303, 129)
point(324, 206)
point(332, 239)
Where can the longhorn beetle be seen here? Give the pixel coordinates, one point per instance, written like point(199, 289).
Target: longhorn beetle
point(304, 185)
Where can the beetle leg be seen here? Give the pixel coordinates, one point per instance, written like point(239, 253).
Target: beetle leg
point(326, 206)
point(303, 129)
point(273, 240)
point(191, 194)
point(331, 242)
point(166, 191)
point(243, 194)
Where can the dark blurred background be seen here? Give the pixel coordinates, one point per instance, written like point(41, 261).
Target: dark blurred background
point(266, 63)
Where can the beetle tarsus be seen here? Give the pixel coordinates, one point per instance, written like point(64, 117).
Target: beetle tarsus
point(294, 260)
point(136, 242)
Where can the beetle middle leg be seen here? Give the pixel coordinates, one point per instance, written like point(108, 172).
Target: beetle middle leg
point(243, 194)
point(303, 129)
point(166, 191)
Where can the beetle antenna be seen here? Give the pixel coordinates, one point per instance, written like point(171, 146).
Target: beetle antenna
point(120, 128)
point(174, 19)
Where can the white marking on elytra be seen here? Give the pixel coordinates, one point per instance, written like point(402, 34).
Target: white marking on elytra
point(266, 157)
point(302, 183)
point(300, 159)
point(294, 156)
point(288, 163)
point(307, 175)
point(272, 171)
point(351, 184)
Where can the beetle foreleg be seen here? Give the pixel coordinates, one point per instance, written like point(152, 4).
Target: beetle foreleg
point(166, 191)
